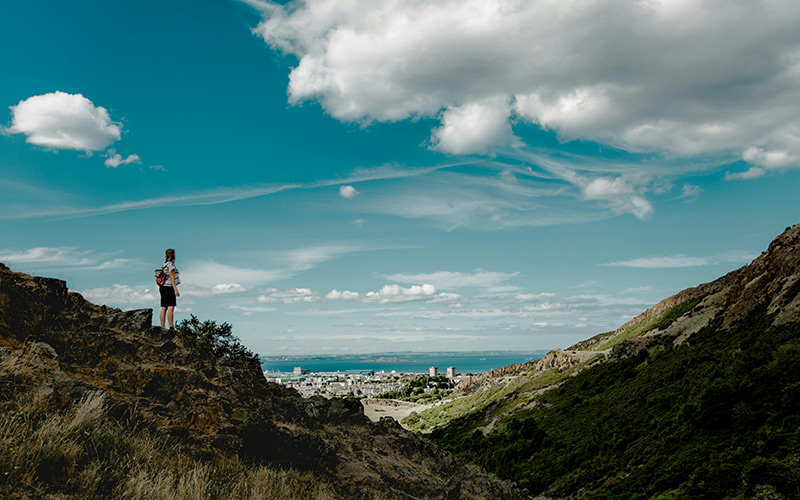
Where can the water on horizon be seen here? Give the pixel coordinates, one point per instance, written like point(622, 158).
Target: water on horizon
point(400, 362)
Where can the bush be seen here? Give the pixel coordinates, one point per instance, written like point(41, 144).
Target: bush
point(212, 338)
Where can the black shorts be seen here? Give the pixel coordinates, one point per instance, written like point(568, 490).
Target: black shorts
point(167, 296)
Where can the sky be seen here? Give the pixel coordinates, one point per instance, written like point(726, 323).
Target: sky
point(359, 176)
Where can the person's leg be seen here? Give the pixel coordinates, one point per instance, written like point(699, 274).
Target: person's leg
point(171, 316)
point(163, 316)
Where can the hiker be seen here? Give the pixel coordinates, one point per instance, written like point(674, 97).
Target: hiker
point(169, 290)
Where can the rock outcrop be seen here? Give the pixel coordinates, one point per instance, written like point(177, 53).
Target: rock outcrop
point(213, 404)
point(771, 282)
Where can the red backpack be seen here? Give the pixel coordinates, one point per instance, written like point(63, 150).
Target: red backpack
point(161, 277)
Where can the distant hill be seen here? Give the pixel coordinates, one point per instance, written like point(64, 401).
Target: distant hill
point(96, 403)
point(697, 397)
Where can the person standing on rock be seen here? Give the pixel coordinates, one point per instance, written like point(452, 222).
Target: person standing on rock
point(169, 290)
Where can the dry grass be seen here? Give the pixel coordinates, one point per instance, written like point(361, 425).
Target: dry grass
point(83, 453)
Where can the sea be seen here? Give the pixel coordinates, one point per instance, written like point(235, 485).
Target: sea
point(401, 362)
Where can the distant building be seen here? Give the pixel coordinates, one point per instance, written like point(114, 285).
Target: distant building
point(300, 371)
point(451, 372)
point(433, 371)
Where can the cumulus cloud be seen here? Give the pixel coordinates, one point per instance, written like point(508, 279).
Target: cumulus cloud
point(656, 76)
point(228, 288)
point(474, 127)
point(60, 120)
point(114, 159)
point(394, 293)
point(619, 195)
point(348, 192)
point(344, 295)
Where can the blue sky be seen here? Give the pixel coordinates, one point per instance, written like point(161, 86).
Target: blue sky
point(367, 176)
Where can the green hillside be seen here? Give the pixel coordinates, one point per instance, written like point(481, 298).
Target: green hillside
point(716, 417)
point(699, 397)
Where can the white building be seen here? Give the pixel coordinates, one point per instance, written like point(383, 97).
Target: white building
point(451, 372)
point(433, 371)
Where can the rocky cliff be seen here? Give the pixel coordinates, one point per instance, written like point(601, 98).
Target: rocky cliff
point(212, 405)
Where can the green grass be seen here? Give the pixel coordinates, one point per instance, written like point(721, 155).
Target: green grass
point(717, 417)
point(660, 321)
point(518, 392)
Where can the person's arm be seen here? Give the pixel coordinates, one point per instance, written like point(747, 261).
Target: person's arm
point(174, 286)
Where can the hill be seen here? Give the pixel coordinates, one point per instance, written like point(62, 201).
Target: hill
point(697, 397)
point(96, 403)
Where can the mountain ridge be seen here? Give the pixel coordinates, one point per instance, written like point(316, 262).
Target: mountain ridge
point(712, 366)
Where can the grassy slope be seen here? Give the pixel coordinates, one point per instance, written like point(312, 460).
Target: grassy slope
point(717, 417)
point(83, 452)
point(521, 391)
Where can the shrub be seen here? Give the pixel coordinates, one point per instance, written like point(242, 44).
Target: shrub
point(209, 337)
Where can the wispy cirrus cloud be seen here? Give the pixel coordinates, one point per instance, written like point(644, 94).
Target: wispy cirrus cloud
point(680, 260)
point(63, 258)
point(226, 194)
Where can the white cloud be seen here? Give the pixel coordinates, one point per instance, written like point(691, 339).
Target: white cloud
point(679, 260)
point(691, 192)
point(395, 293)
point(114, 159)
point(448, 280)
point(63, 258)
point(122, 295)
point(656, 76)
point(344, 295)
point(288, 296)
point(619, 195)
point(64, 121)
point(474, 127)
point(348, 192)
point(228, 288)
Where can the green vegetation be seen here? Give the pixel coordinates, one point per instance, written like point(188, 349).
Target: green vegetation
point(660, 321)
point(88, 450)
point(716, 417)
point(508, 397)
point(439, 387)
point(214, 339)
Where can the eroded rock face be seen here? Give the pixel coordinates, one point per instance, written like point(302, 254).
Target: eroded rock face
point(71, 347)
